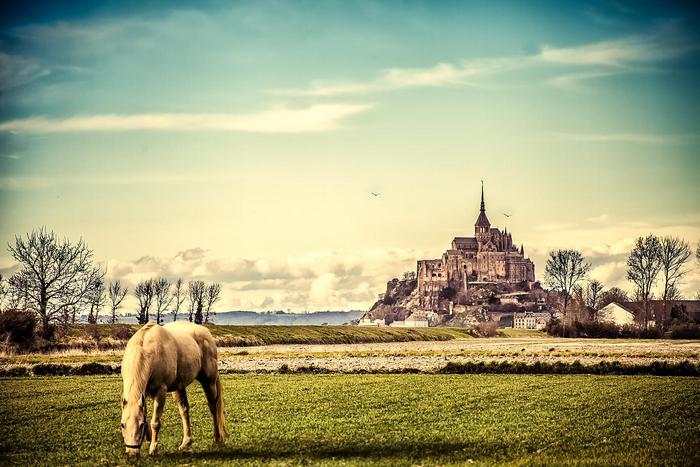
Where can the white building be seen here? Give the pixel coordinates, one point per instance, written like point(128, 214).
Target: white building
point(365, 321)
point(529, 320)
point(616, 314)
point(417, 319)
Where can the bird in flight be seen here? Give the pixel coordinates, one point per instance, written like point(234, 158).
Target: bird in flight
point(507, 215)
point(375, 194)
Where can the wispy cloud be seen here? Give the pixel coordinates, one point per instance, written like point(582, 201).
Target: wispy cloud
point(40, 183)
point(315, 118)
point(665, 43)
point(564, 66)
point(599, 219)
point(16, 70)
point(641, 138)
point(573, 80)
point(438, 75)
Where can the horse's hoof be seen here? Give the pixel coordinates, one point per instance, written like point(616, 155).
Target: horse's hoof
point(185, 446)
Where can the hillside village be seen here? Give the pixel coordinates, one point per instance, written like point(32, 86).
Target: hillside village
point(488, 279)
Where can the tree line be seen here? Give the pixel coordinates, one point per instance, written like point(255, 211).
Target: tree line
point(58, 281)
point(652, 259)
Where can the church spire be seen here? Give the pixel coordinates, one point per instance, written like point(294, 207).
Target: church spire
point(483, 206)
point(482, 222)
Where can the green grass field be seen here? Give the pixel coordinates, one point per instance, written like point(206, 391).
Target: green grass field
point(372, 419)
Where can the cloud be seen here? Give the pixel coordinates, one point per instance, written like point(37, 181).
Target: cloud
point(316, 280)
point(635, 53)
point(642, 138)
point(438, 75)
point(16, 71)
point(315, 118)
point(574, 80)
point(599, 219)
point(666, 43)
point(40, 183)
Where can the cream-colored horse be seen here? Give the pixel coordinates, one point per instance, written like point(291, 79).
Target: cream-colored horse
point(162, 359)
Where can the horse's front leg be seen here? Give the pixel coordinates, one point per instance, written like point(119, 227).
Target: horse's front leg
point(158, 405)
point(181, 399)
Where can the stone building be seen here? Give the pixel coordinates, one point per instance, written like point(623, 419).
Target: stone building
point(489, 256)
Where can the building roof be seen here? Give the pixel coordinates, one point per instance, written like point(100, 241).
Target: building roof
point(469, 241)
point(482, 220)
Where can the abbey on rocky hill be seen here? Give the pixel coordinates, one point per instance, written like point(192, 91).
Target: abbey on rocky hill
point(489, 256)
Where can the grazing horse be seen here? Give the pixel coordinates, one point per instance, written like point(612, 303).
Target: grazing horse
point(162, 359)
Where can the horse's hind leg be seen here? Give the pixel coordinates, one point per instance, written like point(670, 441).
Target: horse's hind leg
point(158, 406)
point(181, 399)
point(212, 389)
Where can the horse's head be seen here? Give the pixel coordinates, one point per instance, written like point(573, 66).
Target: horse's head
point(134, 424)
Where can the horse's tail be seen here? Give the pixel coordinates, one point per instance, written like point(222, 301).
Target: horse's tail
point(220, 409)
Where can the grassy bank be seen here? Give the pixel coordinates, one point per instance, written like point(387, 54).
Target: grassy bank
point(110, 337)
point(266, 335)
point(372, 419)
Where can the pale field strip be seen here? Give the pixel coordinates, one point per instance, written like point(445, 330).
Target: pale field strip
point(425, 356)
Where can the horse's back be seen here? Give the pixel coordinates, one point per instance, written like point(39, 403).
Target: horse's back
point(197, 348)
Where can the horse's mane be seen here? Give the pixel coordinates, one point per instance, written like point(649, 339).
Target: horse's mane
point(136, 364)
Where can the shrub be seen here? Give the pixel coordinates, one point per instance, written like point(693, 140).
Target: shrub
point(685, 331)
point(18, 327)
point(597, 329)
point(487, 329)
point(51, 369)
point(91, 332)
point(122, 332)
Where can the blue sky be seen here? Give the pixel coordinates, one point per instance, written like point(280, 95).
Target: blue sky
point(239, 141)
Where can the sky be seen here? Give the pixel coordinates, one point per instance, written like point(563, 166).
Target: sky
point(240, 142)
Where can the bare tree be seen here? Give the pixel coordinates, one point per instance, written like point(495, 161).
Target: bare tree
point(116, 293)
point(643, 266)
point(56, 275)
point(3, 291)
point(212, 296)
point(144, 293)
point(196, 291)
point(592, 294)
point(613, 294)
point(97, 298)
point(564, 269)
point(675, 253)
point(161, 291)
point(178, 296)
point(17, 294)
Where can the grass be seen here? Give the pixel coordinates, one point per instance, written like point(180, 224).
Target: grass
point(509, 332)
point(372, 419)
point(267, 335)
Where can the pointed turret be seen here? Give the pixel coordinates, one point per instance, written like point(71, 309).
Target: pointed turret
point(522, 250)
point(482, 222)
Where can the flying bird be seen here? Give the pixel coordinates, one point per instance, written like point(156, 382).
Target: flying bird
point(375, 194)
point(507, 215)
